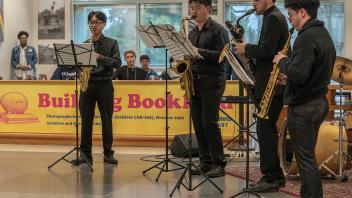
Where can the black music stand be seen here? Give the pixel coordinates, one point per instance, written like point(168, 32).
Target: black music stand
point(75, 55)
point(241, 100)
point(151, 37)
point(180, 47)
point(248, 83)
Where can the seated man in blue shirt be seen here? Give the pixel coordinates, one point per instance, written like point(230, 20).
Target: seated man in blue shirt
point(23, 59)
point(150, 73)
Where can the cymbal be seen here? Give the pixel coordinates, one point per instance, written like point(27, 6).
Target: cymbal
point(343, 66)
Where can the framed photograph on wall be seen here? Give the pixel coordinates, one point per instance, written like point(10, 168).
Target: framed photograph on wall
point(46, 54)
point(51, 19)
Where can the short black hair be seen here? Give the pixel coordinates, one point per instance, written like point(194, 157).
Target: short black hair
point(144, 56)
point(204, 2)
point(311, 6)
point(99, 15)
point(21, 33)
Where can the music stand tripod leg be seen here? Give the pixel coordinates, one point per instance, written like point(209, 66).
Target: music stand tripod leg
point(246, 190)
point(190, 164)
point(166, 160)
point(62, 52)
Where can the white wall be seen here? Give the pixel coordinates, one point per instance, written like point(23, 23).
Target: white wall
point(18, 15)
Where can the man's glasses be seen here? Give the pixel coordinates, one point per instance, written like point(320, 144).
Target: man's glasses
point(97, 23)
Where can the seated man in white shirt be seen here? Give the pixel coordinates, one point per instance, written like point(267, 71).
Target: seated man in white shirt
point(23, 59)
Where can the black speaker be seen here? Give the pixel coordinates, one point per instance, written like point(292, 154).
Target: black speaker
point(179, 146)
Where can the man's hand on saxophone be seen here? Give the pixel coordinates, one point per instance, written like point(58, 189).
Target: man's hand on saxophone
point(282, 78)
point(278, 57)
point(98, 56)
point(240, 48)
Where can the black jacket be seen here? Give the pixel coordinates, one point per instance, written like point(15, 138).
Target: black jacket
point(273, 37)
point(125, 73)
point(310, 66)
point(109, 49)
point(210, 40)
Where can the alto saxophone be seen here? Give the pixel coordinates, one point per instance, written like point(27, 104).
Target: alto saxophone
point(272, 83)
point(183, 68)
point(85, 75)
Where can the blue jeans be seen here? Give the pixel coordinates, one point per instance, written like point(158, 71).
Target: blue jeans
point(304, 121)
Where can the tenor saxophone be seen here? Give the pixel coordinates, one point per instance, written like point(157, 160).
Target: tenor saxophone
point(237, 34)
point(183, 68)
point(272, 83)
point(85, 75)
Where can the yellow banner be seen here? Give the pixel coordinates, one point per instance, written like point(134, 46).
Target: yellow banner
point(139, 108)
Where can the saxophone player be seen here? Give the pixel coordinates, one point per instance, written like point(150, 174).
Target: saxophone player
point(100, 89)
point(308, 72)
point(274, 35)
point(208, 38)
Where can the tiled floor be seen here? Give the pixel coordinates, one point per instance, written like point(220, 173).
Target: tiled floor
point(24, 173)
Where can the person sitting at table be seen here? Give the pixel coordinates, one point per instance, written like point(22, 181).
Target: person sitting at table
point(130, 71)
point(171, 75)
point(150, 73)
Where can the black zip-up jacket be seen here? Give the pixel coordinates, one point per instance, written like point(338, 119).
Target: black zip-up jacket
point(109, 49)
point(210, 40)
point(310, 66)
point(274, 35)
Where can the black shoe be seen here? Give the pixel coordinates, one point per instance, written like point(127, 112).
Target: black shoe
point(202, 168)
point(80, 161)
point(110, 159)
point(265, 186)
point(256, 183)
point(217, 171)
point(281, 182)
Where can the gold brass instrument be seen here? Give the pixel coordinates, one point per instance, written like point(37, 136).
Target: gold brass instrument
point(237, 33)
point(85, 75)
point(272, 83)
point(183, 68)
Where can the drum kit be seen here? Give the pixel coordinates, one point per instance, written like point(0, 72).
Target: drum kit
point(334, 144)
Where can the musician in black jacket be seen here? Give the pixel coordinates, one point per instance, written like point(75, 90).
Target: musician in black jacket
point(274, 35)
point(308, 71)
point(100, 89)
point(209, 38)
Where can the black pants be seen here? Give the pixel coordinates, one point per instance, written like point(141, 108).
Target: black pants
point(205, 115)
point(268, 142)
point(102, 93)
point(303, 123)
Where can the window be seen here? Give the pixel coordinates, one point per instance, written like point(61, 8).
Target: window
point(332, 13)
point(159, 14)
point(120, 24)
point(122, 19)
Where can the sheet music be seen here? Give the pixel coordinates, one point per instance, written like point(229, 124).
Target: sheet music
point(178, 44)
point(84, 53)
point(166, 35)
point(150, 36)
point(237, 67)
